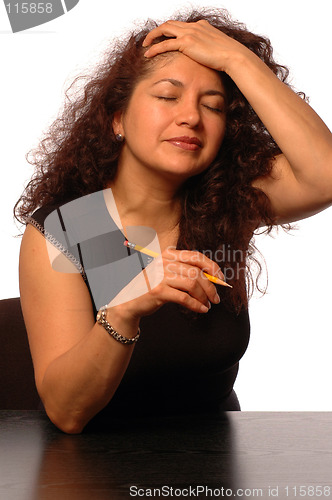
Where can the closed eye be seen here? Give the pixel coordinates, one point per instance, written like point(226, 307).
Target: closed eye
point(169, 98)
point(216, 110)
point(165, 98)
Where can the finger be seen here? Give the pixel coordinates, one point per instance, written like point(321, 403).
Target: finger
point(170, 293)
point(170, 45)
point(193, 281)
point(190, 286)
point(165, 29)
point(194, 258)
point(206, 285)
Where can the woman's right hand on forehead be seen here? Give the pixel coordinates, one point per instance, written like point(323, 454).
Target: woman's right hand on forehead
point(200, 41)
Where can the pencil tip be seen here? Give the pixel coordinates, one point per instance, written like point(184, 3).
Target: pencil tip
point(226, 284)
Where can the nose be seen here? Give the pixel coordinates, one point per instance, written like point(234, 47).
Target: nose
point(188, 114)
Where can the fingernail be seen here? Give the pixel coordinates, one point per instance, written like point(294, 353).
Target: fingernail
point(217, 298)
point(204, 309)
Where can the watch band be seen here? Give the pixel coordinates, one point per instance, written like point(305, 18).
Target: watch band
point(101, 319)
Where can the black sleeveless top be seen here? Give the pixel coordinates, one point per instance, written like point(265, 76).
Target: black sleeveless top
point(180, 363)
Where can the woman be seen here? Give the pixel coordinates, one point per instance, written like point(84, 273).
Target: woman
point(190, 129)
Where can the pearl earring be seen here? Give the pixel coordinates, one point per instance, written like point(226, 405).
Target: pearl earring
point(119, 137)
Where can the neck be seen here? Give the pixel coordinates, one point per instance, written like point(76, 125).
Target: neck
point(150, 201)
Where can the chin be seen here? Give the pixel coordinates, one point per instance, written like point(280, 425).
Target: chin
point(180, 168)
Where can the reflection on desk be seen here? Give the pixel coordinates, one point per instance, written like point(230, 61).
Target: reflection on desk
point(234, 454)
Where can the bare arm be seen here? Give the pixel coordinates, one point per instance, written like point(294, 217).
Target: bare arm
point(300, 183)
point(77, 365)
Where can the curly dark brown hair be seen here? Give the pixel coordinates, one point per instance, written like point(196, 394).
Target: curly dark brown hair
point(220, 208)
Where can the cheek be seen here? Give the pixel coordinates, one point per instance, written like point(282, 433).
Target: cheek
point(147, 121)
point(157, 117)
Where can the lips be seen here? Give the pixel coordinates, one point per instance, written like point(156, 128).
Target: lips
point(187, 143)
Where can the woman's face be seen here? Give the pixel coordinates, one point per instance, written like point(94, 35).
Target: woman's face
point(175, 121)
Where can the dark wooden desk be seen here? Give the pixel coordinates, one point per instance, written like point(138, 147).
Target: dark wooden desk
point(234, 455)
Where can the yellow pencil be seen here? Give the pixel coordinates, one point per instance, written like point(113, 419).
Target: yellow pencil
point(151, 253)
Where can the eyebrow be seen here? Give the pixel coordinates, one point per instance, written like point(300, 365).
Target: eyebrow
point(177, 83)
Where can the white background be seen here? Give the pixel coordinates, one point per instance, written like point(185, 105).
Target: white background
point(287, 365)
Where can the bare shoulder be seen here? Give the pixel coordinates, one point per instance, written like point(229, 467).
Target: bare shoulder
point(57, 307)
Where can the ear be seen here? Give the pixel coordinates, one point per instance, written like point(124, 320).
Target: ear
point(117, 123)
